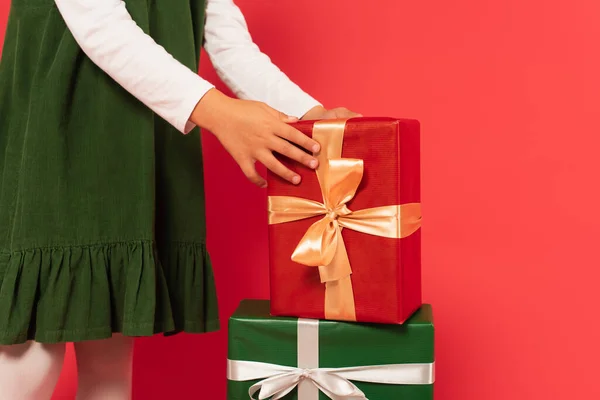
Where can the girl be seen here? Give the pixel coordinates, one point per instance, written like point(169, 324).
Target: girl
point(102, 232)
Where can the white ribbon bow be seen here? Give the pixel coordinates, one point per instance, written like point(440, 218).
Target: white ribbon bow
point(278, 381)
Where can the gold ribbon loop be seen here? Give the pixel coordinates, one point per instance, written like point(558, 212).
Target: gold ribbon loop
point(319, 244)
point(323, 245)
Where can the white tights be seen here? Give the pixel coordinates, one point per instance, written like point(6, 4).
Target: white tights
point(30, 371)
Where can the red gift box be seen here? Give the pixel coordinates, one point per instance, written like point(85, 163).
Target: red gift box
point(356, 260)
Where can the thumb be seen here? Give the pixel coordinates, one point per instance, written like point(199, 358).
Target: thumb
point(286, 118)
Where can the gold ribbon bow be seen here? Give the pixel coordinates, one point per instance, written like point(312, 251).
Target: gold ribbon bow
point(323, 245)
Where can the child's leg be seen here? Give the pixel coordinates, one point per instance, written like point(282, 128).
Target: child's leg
point(104, 368)
point(30, 371)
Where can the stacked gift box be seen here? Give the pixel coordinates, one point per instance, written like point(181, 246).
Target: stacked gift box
point(345, 319)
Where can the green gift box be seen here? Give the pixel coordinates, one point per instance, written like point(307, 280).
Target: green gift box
point(302, 359)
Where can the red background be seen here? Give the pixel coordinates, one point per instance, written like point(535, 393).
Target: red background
point(508, 94)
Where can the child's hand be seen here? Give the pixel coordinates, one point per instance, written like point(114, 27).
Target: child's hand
point(321, 112)
point(251, 131)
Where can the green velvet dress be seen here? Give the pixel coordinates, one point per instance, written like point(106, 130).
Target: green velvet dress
point(102, 224)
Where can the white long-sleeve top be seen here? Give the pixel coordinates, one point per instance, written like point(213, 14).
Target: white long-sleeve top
point(108, 35)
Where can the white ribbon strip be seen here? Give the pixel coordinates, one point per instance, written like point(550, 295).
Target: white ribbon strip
point(278, 380)
point(308, 355)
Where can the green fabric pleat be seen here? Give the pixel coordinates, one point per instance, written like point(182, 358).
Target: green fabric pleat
point(102, 221)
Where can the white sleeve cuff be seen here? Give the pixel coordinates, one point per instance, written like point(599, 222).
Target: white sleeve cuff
point(195, 91)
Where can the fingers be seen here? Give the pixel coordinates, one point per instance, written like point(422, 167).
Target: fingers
point(289, 150)
point(278, 168)
point(274, 165)
point(295, 136)
point(249, 169)
point(286, 118)
point(261, 130)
